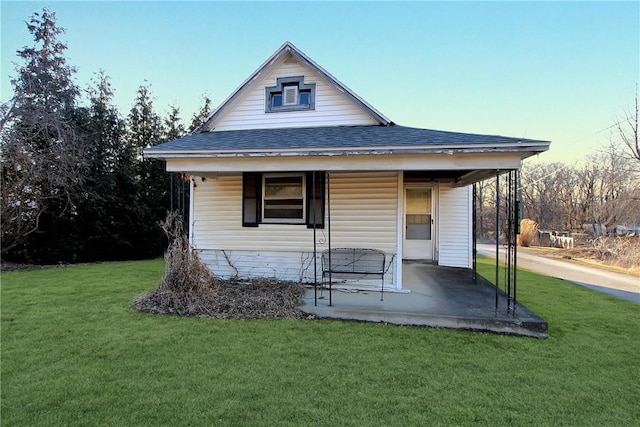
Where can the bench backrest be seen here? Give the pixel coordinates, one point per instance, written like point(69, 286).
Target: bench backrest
point(354, 260)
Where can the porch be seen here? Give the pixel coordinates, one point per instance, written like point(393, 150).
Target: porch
point(439, 297)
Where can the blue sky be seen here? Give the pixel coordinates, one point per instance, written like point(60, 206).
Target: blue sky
point(560, 71)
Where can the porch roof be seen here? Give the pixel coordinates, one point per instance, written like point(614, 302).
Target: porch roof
point(341, 141)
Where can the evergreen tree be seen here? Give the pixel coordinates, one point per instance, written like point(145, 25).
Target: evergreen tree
point(173, 126)
point(106, 216)
point(75, 186)
point(41, 158)
point(153, 183)
point(201, 115)
point(179, 189)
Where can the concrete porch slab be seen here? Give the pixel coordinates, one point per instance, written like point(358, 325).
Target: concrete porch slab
point(439, 297)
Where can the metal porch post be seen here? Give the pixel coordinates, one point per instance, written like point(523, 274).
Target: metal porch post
point(315, 250)
point(497, 235)
point(515, 249)
point(329, 234)
point(509, 212)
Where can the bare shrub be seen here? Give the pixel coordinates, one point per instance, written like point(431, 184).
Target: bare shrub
point(184, 270)
point(187, 281)
point(621, 252)
point(188, 288)
point(529, 230)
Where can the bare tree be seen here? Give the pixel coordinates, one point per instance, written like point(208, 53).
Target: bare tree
point(542, 190)
point(615, 199)
point(601, 191)
point(627, 128)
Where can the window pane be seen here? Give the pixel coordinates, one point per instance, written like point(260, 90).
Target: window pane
point(281, 187)
point(304, 98)
point(418, 201)
point(277, 100)
point(418, 227)
point(285, 208)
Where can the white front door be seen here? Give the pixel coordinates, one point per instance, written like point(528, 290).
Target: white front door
point(418, 223)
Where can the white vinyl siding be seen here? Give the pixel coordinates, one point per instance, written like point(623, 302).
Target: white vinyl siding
point(332, 107)
point(454, 235)
point(363, 214)
point(364, 210)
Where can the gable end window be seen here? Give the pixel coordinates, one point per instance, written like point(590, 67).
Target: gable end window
point(290, 94)
point(283, 198)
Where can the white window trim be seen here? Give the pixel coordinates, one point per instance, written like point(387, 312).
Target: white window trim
point(302, 220)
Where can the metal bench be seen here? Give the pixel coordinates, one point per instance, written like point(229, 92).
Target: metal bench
point(354, 261)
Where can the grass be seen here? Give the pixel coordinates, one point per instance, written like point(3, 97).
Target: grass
point(74, 352)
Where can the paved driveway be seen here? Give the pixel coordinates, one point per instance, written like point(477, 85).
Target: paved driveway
point(619, 285)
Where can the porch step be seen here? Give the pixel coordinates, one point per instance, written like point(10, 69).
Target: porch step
point(501, 324)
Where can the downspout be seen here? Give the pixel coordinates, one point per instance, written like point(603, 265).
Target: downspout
point(171, 192)
point(191, 210)
point(474, 239)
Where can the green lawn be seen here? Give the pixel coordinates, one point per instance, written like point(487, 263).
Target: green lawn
point(74, 352)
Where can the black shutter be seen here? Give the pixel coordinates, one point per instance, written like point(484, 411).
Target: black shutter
point(319, 199)
point(251, 199)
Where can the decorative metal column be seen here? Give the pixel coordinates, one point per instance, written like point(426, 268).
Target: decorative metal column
point(512, 218)
point(509, 236)
point(514, 228)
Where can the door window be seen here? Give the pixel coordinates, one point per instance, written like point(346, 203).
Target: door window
point(418, 214)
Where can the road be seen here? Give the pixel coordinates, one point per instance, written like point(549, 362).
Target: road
point(619, 285)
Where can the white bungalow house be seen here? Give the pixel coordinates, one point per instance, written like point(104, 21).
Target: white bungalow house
point(292, 136)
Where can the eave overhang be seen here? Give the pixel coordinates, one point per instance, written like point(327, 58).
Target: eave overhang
point(340, 141)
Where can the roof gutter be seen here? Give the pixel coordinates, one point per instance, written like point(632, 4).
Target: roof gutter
point(350, 151)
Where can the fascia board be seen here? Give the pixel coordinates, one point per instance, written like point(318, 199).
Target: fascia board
point(266, 66)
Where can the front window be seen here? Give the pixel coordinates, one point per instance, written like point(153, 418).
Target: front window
point(283, 198)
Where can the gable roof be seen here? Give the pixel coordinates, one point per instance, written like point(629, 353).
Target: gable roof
point(384, 138)
point(339, 140)
point(285, 51)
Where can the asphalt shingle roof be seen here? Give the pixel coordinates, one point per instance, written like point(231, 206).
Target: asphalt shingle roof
point(333, 138)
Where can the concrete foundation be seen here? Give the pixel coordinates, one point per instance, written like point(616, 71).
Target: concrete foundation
point(439, 297)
